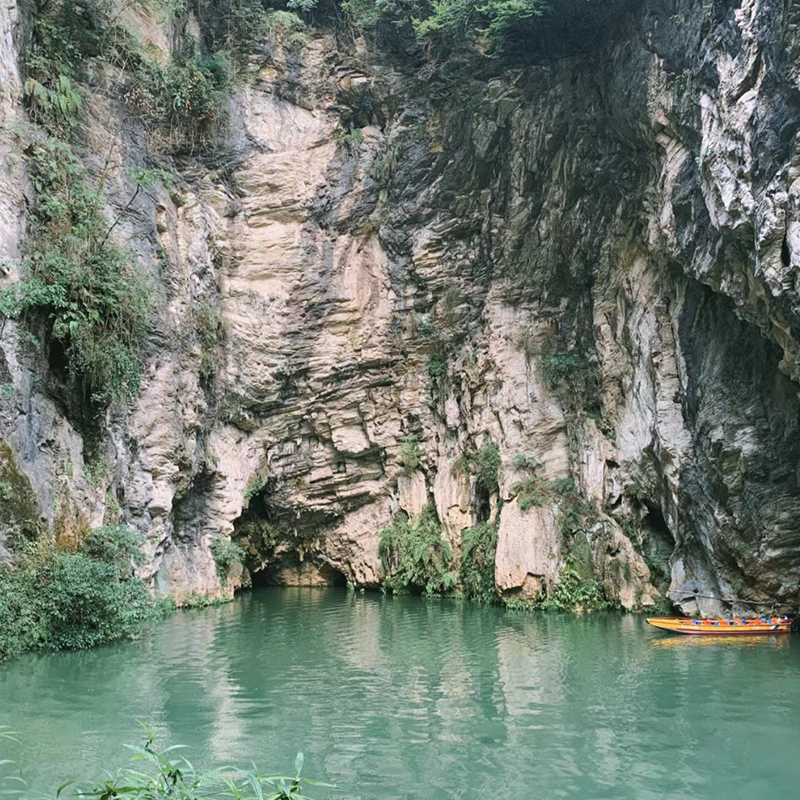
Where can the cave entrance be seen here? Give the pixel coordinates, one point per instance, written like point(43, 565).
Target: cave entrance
point(293, 572)
point(659, 544)
point(262, 578)
point(276, 534)
point(332, 576)
point(658, 530)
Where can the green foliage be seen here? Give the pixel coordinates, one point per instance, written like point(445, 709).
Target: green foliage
point(573, 378)
point(486, 466)
point(286, 25)
point(94, 470)
point(117, 545)
point(9, 304)
point(483, 25)
point(226, 553)
point(438, 346)
point(63, 36)
point(661, 607)
point(148, 178)
point(573, 591)
point(568, 372)
point(437, 369)
point(57, 108)
point(410, 452)
point(523, 462)
point(637, 490)
point(364, 14)
point(164, 775)
point(577, 513)
point(196, 600)
point(564, 486)
point(78, 281)
point(183, 101)
point(516, 31)
point(241, 27)
point(303, 6)
point(58, 600)
point(392, 21)
point(20, 515)
point(350, 140)
point(254, 485)
point(479, 546)
point(209, 329)
point(659, 571)
point(167, 9)
point(533, 491)
point(536, 491)
point(416, 557)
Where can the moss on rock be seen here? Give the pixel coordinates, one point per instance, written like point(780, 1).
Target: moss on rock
point(20, 516)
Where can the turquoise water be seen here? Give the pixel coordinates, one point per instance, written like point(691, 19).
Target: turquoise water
point(413, 699)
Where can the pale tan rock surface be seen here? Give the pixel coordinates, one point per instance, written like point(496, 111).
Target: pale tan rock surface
point(528, 551)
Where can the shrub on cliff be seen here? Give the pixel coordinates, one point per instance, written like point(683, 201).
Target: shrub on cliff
point(78, 285)
point(183, 102)
point(574, 591)
point(410, 452)
point(416, 557)
point(479, 546)
point(226, 553)
point(484, 464)
point(58, 600)
point(64, 36)
point(117, 545)
point(513, 30)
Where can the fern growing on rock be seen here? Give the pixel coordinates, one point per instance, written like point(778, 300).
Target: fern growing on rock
point(77, 282)
point(415, 556)
point(226, 553)
point(479, 546)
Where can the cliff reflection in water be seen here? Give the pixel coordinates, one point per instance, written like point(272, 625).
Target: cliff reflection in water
point(397, 698)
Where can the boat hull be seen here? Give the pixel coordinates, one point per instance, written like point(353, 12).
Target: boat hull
point(720, 627)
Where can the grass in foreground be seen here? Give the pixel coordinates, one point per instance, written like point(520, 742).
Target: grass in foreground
point(163, 775)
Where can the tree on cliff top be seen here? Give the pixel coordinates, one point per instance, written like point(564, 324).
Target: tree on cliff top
point(514, 30)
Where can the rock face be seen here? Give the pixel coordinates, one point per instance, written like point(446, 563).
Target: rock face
point(590, 263)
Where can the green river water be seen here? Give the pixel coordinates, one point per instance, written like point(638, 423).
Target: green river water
point(414, 699)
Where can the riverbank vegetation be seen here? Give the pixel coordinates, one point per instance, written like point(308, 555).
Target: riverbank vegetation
point(71, 598)
point(479, 545)
point(417, 559)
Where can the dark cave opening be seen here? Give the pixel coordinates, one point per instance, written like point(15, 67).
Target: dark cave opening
point(290, 571)
point(659, 543)
point(261, 578)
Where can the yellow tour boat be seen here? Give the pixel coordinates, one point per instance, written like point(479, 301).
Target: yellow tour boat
point(722, 627)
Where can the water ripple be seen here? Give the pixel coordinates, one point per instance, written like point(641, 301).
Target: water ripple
point(412, 699)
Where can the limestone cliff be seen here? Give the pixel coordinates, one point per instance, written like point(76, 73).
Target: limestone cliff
point(589, 261)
